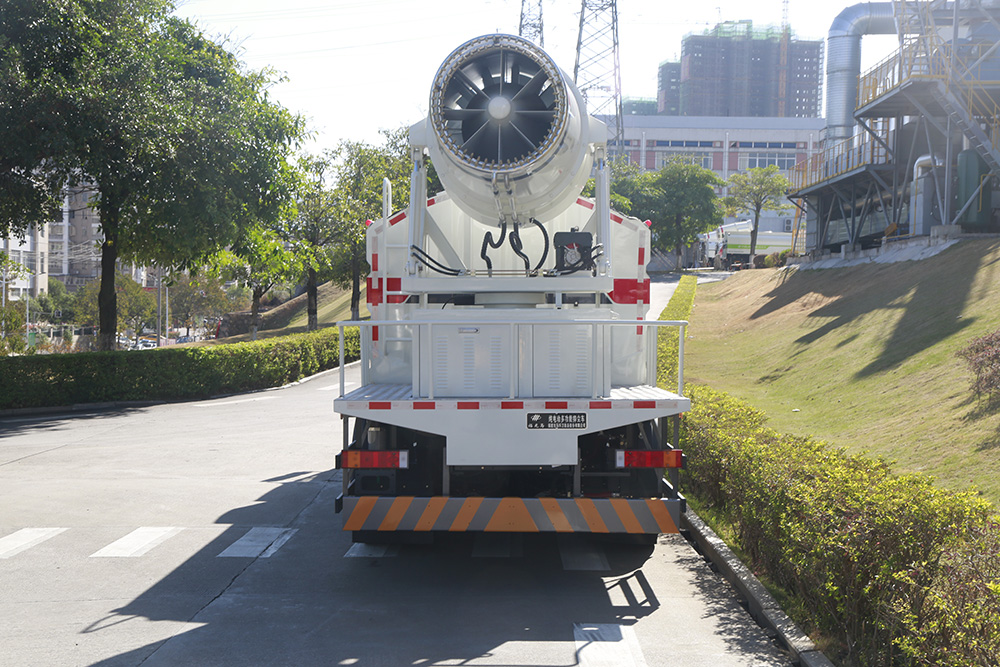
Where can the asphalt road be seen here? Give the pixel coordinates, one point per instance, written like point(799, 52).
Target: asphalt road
point(203, 533)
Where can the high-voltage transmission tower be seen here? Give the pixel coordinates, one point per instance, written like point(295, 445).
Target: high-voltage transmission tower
point(597, 72)
point(531, 22)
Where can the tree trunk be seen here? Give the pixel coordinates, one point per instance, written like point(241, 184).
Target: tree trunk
point(255, 313)
point(355, 284)
point(107, 299)
point(311, 300)
point(753, 235)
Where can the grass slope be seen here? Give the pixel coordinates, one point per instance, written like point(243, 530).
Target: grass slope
point(863, 357)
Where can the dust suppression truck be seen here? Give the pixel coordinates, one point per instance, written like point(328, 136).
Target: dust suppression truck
point(508, 377)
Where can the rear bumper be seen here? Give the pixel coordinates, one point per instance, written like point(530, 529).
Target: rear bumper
point(512, 515)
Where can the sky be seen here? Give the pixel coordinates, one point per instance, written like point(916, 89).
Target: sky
point(354, 67)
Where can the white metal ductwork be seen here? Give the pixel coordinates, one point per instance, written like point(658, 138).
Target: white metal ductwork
point(843, 62)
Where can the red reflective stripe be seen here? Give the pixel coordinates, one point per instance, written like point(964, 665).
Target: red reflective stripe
point(366, 459)
point(380, 405)
point(374, 291)
point(374, 261)
point(393, 284)
point(600, 405)
point(430, 202)
point(396, 298)
point(423, 405)
point(630, 290)
point(644, 404)
point(556, 405)
point(585, 203)
point(640, 458)
point(399, 217)
point(468, 405)
point(617, 218)
point(642, 256)
point(374, 334)
point(511, 405)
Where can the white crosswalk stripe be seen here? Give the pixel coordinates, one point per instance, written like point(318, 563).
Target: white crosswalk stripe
point(362, 550)
point(607, 645)
point(136, 543)
point(15, 543)
point(260, 542)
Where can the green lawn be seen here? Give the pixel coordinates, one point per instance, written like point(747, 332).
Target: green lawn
point(863, 357)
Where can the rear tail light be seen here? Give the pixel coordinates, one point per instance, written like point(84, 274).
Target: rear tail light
point(366, 459)
point(644, 458)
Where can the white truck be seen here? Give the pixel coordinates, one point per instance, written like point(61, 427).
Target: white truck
point(509, 380)
point(730, 243)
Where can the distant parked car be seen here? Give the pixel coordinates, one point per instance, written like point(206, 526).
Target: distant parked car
point(186, 339)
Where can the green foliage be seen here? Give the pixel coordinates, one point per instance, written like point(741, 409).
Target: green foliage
point(901, 571)
point(678, 308)
point(194, 298)
point(179, 140)
point(169, 373)
point(982, 356)
point(892, 565)
point(136, 307)
point(756, 190)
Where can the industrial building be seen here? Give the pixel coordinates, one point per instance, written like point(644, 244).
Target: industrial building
point(912, 144)
point(736, 69)
point(725, 145)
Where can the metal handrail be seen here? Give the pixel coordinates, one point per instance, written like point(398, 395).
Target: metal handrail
point(513, 341)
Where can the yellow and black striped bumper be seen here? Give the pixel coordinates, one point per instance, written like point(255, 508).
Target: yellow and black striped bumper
point(513, 515)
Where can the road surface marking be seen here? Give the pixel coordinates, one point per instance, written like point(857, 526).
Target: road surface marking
point(607, 645)
point(577, 554)
point(212, 404)
point(258, 542)
point(136, 543)
point(348, 386)
point(15, 543)
point(279, 542)
point(362, 550)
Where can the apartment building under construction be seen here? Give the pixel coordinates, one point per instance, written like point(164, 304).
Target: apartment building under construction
point(736, 69)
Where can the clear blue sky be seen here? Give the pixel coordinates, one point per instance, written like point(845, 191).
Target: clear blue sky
point(357, 66)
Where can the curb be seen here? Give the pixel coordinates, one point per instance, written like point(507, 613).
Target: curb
point(761, 605)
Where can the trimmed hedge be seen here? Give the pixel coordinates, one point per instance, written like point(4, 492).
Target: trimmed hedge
point(900, 572)
point(168, 373)
point(679, 308)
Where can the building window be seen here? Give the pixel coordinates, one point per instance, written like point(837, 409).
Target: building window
point(784, 161)
point(697, 157)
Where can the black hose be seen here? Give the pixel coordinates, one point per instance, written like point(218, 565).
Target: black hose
point(516, 245)
point(545, 238)
point(421, 256)
point(488, 242)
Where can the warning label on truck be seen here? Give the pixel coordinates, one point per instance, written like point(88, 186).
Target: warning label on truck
point(548, 420)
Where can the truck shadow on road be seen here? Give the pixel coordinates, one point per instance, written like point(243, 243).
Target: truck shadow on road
point(420, 604)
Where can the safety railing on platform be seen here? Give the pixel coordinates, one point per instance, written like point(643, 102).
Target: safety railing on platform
point(839, 159)
point(424, 329)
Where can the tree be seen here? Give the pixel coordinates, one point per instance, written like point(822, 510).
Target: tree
point(312, 230)
point(12, 313)
point(179, 140)
point(755, 190)
point(194, 298)
point(359, 170)
point(625, 183)
point(258, 261)
point(680, 201)
point(135, 306)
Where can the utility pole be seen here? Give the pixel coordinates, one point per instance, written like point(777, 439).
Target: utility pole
point(531, 26)
point(597, 72)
